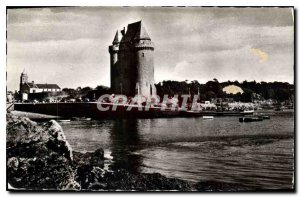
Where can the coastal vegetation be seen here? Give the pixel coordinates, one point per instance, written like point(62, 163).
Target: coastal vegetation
point(279, 91)
point(252, 90)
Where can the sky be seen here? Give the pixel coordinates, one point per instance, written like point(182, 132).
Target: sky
point(69, 45)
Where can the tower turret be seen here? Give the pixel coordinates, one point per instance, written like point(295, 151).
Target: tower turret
point(144, 48)
point(113, 50)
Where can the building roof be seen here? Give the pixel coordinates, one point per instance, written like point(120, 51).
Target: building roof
point(135, 31)
point(31, 85)
point(43, 86)
point(47, 86)
point(141, 33)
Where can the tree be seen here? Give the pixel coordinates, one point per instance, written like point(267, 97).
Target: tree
point(247, 95)
point(85, 90)
point(78, 89)
point(70, 92)
point(97, 92)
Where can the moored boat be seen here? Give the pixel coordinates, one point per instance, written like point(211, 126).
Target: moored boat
point(264, 117)
point(250, 119)
point(248, 112)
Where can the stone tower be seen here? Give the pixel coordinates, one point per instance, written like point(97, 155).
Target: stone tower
point(23, 80)
point(132, 65)
point(23, 77)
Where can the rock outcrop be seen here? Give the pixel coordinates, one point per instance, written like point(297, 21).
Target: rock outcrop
point(123, 180)
point(88, 167)
point(38, 157)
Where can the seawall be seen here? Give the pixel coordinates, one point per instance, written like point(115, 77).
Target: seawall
point(89, 109)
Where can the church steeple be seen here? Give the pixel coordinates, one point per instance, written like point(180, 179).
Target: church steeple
point(116, 39)
point(24, 77)
point(24, 72)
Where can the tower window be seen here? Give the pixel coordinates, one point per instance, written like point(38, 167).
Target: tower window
point(143, 55)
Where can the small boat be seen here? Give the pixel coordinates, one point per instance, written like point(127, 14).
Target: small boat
point(264, 117)
point(248, 112)
point(208, 117)
point(250, 119)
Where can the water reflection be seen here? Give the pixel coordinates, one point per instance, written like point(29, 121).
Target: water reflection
point(125, 140)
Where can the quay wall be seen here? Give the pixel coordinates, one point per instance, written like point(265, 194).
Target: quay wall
point(89, 109)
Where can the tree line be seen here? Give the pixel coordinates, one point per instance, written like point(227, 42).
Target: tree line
point(278, 91)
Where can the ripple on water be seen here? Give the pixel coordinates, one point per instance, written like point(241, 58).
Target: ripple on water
point(254, 165)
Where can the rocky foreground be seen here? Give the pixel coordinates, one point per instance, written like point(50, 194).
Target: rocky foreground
point(40, 157)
